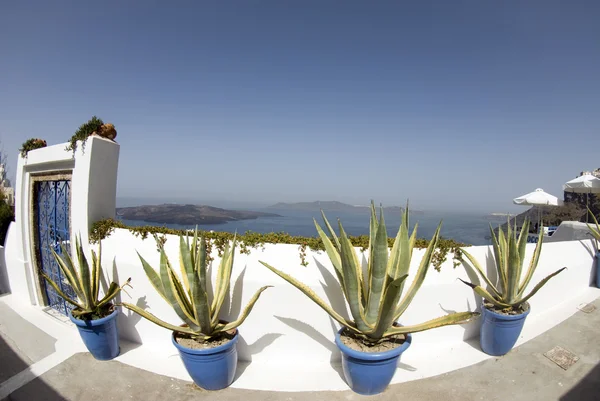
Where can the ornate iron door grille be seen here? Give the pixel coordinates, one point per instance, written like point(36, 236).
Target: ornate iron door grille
point(52, 207)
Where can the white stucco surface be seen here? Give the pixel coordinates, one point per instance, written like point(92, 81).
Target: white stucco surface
point(288, 335)
point(287, 342)
point(93, 172)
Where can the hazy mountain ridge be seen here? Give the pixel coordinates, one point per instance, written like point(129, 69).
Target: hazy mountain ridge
point(187, 214)
point(334, 206)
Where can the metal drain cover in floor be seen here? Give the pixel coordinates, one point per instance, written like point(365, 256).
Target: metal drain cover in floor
point(563, 358)
point(586, 308)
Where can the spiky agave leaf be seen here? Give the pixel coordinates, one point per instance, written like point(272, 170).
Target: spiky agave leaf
point(509, 251)
point(351, 271)
point(314, 297)
point(245, 312)
point(62, 294)
point(379, 262)
point(421, 273)
point(453, 318)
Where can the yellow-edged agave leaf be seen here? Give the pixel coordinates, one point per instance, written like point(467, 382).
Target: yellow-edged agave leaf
point(509, 251)
point(498, 254)
point(84, 273)
point(351, 281)
point(541, 284)
point(379, 257)
point(332, 252)
point(223, 279)
point(246, 310)
point(66, 267)
point(60, 293)
point(170, 287)
point(514, 275)
point(405, 248)
point(385, 316)
point(153, 277)
point(198, 298)
point(84, 281)
point(157, 321)
point(420, 276)
point(112, 292)
point(453, 318)
point(336, 240)
point(486, 295)
point(522, 242)
point(532, 264)
point(373, 226)
point(314, 297)
point(595, 231)
point(477, 267)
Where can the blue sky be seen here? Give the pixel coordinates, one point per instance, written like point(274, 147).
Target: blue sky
point(455, 105)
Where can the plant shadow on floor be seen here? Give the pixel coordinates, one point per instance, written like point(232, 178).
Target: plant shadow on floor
point(587, 389)
point(35, 389)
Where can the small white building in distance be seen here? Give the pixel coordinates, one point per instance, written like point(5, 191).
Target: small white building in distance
point(5, 188)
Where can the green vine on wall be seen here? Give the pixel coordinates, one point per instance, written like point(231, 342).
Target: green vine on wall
point(252, 240)
point(83, 132)
point(31, 144)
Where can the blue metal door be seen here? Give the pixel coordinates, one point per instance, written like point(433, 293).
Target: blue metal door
point(52, 200)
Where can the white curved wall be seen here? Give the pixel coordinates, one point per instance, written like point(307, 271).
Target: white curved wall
point(285, 327)
point(287, 338)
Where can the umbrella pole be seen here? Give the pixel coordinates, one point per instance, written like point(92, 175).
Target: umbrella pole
point(587, 207)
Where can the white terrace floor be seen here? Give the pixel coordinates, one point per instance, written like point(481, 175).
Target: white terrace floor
point(35, 366)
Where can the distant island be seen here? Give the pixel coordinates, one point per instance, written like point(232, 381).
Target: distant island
point(499, 216)
point(335, 206)
point(187, 214)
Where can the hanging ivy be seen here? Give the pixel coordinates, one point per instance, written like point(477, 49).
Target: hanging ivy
point(252, 240)
point(31, 144)
point(83, 133)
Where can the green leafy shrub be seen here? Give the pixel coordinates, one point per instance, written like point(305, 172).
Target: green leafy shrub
point(31, 144)
point(83, 132)
point(103, 228)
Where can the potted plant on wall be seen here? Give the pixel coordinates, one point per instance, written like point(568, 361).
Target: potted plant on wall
point(94, 126)
point(31, 144)
point(505, 304)
point(95, 318)
point(595, 231)
point(371, 343)
point(206, 344)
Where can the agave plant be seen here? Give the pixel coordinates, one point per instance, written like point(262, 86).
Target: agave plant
point(375, 300)
point(85, 284)
point(595, 231)
point(189, 297)
point(509, 254)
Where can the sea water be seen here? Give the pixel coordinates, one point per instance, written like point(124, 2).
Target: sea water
point(468, 228)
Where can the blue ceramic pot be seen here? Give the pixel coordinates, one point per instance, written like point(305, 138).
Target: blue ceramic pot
point(499, 333)
point(100, 336)
point(213, 368)
point(369, 373)
point(598, 269)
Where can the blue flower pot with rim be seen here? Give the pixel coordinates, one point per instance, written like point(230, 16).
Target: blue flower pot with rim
point(369, 373)
point(211, 368)
point(100, 336)
point(598, 269)
point(499, 332)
